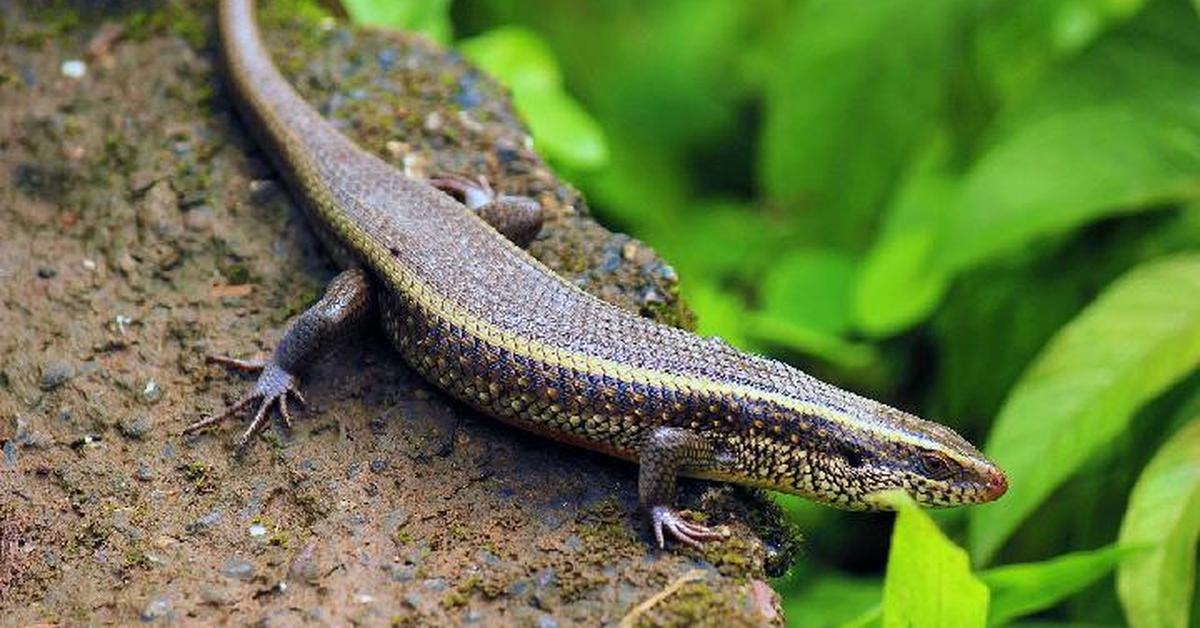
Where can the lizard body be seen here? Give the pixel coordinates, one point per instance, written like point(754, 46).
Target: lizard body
point(494, 328)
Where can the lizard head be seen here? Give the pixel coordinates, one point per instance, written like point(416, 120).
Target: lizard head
point(846, 454)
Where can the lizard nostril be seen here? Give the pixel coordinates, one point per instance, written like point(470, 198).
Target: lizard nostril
point(997, 485)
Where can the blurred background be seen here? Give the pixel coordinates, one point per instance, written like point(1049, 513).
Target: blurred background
point(985, 212)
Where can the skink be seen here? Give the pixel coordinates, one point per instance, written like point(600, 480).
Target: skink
point(484, 321)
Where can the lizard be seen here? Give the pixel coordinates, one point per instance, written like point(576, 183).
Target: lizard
point(440, 264)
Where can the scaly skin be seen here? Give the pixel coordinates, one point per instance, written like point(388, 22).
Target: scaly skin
point(497, 330)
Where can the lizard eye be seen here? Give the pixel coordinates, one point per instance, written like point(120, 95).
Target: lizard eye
point(934, 466)
point(852, 455)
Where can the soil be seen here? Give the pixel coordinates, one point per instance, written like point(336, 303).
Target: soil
point(143, 230)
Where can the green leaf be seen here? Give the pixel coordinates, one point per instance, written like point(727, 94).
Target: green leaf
point(769, 330)
point(429, 17)
point(1115, 131)
point(929, 581)
point(1017, 42)
point(899, 283)
point(521, 60)
point(1139, 337)
point(831, 601)
point(863, 87)
point(718, 313)
point(811, 288)
point(1025, 588)
point(1155, 587)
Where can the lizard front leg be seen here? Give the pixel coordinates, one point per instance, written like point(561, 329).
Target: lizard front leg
point(667, 452)
point(343, 306)
point(518, 218)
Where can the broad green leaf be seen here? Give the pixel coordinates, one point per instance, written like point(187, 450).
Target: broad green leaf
point(1155, 587)
point(769, 330)
point(832, 601)
point(739, 241)
point(1017, 42)
point(1115, 131)
point(811, 288)
point(1139, 337)
point(1026, 588)
point(899, 284)
point(718, 313)
point(929, 581)
point(429, 17)
point(524, 63)
point(864, 85)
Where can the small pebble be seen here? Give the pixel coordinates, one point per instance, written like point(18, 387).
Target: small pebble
point(238, 569)
point(379, 465)
point(257, 530)
point(10, 453)
point(402, 573)
point(151, 391)
point(89, 264)
point(205, 523)
point(56, 373)
point(546, 621)
point(574, 543)
point(137, 427)
point(199, 219)
point(74, 68)
point(158, 607)
point(434, 584)
point(145, 472)
point(217, 595)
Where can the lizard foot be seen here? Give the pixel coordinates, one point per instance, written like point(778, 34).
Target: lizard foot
point(681, 529)
point(518, 218)
point(273, 387)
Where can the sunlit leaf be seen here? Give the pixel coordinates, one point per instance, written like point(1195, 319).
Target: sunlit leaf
point(899, 283)
point(1025, 588)
point(929, 581)
point(429, 17)
point(1156, 587)
point(1140, 336)
point(770, 331)
point(833, 601)
point(811, 288)
point(718, 313)
point(524, 63)
point(864, 85)
point(1017, 42)
point(1115, 131)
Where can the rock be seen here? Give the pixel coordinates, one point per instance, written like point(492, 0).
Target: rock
point(56, 373)
point(205, 523)
point(137, 427)
point(158, 607)
point(238, 569)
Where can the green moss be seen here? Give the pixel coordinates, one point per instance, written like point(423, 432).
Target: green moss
point(692, 604)
point(453, 600)
point(176, 18)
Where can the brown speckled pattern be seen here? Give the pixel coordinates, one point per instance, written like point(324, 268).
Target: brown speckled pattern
point(498, 330)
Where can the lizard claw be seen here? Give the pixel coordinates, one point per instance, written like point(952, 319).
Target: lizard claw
point(681, 529)
point(272, 388)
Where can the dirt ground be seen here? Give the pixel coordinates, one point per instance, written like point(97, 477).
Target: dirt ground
point(142, 230)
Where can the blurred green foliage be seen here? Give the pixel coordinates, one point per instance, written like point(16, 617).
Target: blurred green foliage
point(984, 211)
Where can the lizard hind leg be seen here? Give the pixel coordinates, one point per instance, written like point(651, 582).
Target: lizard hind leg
point(518, 218)
point(342, 308)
